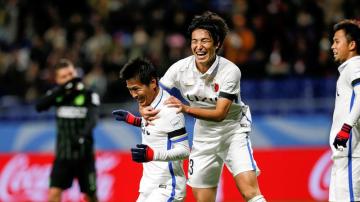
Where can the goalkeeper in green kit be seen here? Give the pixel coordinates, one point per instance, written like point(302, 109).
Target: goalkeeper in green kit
point(76, 116)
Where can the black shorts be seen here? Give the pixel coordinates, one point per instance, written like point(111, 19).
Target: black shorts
point(65, 171)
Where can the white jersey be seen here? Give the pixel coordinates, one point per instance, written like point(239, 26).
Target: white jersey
point(349, 77)
point(168, 138)
point(202, 90)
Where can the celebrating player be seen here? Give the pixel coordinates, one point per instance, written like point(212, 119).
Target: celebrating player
point(76, 115)
point(164, 142)
point(345, 130)
point(211, 84)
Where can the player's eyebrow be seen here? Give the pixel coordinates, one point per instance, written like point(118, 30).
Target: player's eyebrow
point(132, 87)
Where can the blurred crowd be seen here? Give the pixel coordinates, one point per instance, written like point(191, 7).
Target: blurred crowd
point(268, 39)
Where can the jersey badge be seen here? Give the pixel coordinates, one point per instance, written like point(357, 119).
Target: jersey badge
point(215, 87)
point(79, 100)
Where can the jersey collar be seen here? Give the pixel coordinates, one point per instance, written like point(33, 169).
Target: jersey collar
point(158, 98)
point(210, 73)
point(343, 65)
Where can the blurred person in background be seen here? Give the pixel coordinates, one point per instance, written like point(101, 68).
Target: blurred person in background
point(211, 84)
point(345, 130)
point(76, 116)
point(240, 41)
point(164, 142)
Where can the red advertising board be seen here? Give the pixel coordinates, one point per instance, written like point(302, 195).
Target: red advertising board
point(295, 174)
point(286, 175)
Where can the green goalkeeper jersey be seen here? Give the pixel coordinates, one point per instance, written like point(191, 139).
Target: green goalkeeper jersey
point(76, 116)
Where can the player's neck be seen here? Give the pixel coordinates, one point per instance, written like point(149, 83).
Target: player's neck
point(205, 66)
point(352, 54)
point(156, 93)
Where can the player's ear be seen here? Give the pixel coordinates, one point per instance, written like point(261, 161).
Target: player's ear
point(217, 46)
point(352, 45)
point(153, 83)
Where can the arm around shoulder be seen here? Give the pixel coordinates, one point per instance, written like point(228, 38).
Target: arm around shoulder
point(218, 114)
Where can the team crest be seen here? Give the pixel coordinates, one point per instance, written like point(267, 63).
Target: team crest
point(215, 87)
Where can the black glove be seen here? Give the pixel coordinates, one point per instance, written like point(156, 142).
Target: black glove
point(74, 84)
point(122, 115)
point(68, 90)
point(142, 153)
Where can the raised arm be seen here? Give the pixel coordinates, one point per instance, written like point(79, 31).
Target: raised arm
point(45, 102)
point(66, 90)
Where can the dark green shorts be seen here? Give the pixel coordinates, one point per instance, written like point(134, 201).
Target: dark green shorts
point(65, 171)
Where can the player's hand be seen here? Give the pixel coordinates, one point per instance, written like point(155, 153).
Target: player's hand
point(174, 102)
point(142, 153)
point(74, 84)
point(149, 114)
point(122, 115)
point(342, 137)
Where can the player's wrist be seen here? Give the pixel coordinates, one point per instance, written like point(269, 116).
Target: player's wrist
point(186, 109)
point(344, 133)
point(346, 128)
point(57, 91)
point(149, 154)
point(133, 120)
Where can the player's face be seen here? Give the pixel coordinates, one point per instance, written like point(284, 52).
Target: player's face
point(143, 94)
point(341, 47)
point(65, 74)
point(203, 47)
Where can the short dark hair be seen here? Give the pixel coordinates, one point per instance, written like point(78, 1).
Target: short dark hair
point(211, 22)
point(352, 31)
point(141, 69)
point(62, 63)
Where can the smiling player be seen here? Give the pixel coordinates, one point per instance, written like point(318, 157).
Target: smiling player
point(164, 142)
point(211, 84)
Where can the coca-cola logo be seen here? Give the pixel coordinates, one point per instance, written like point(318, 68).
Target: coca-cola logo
point(320, 177)
point(21, 180)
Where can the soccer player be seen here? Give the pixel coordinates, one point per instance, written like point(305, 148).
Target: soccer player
point(345, 130)
point(164, 142)
point(76, 115)
point(211, 84)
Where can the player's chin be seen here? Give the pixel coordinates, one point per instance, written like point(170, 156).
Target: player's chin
point(142, 103)
point(202, 58)
point(338, 60)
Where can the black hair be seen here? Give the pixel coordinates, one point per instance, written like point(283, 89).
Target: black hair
point(352, 31)
point(211, 22)
point(141, 69)
point(63, 63)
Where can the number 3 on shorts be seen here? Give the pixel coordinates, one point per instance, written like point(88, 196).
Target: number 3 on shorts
point(191, 164)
